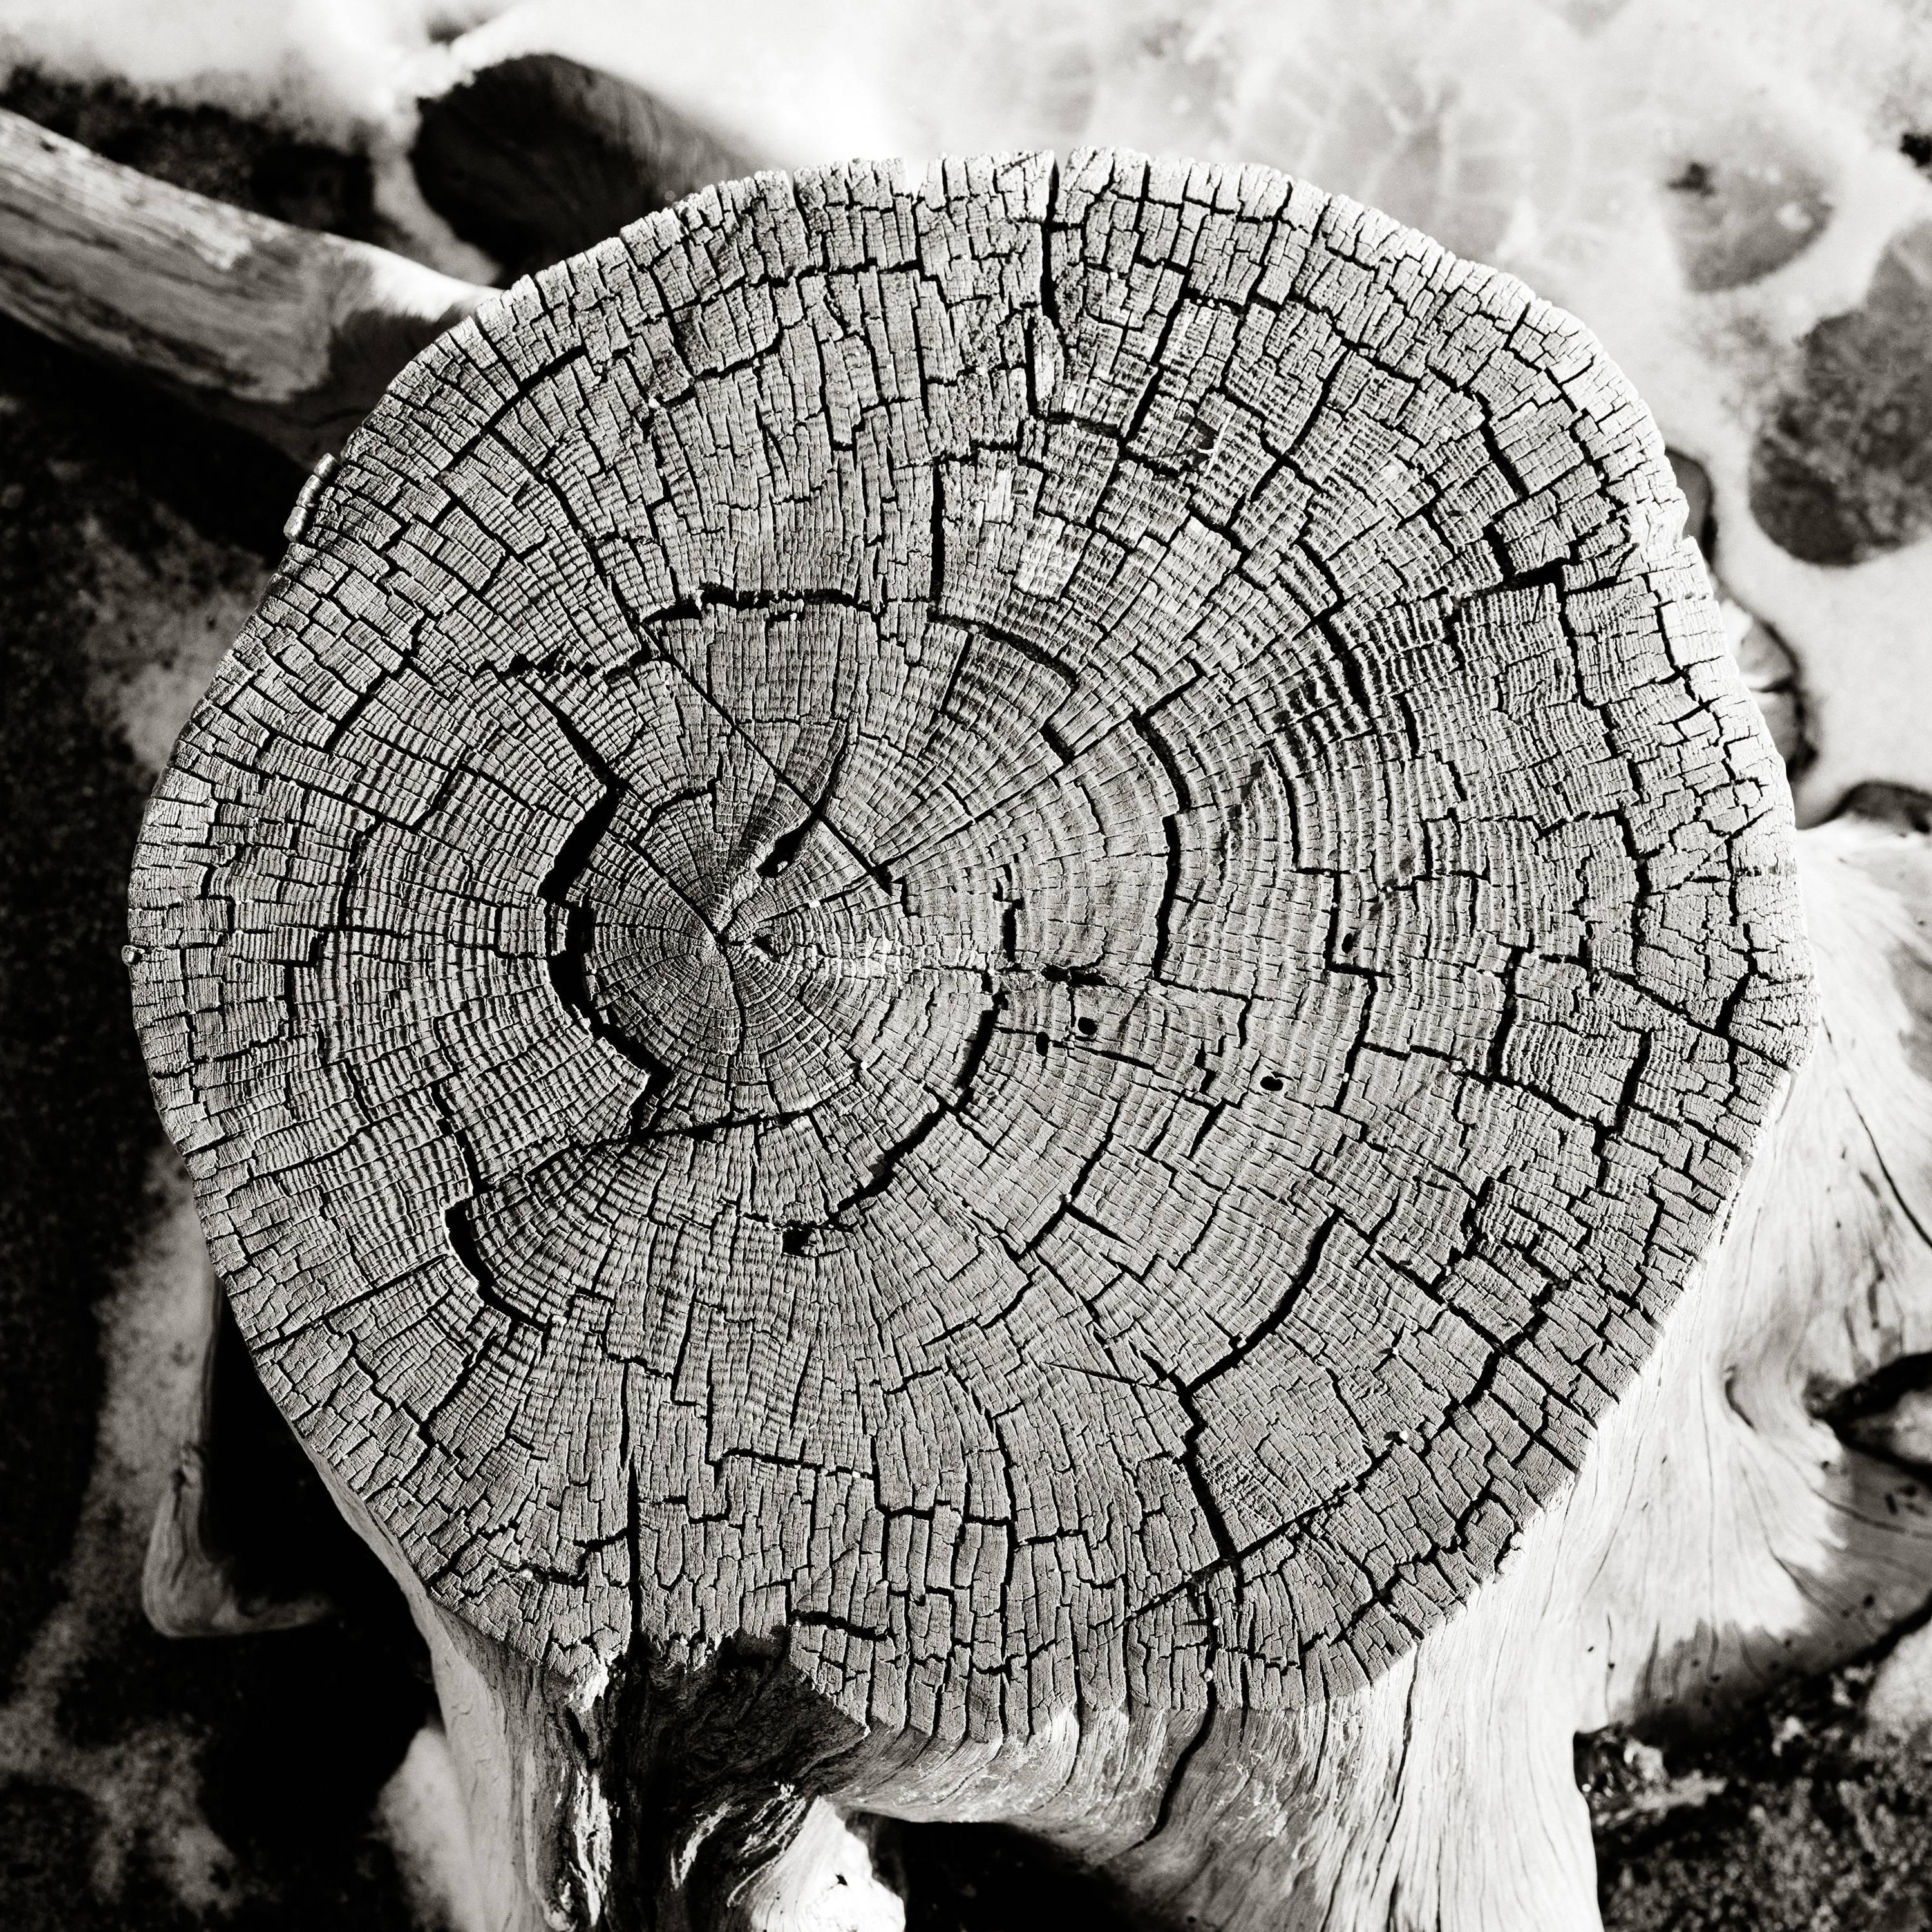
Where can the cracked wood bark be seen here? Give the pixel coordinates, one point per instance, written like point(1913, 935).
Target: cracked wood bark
point(957, 971)
point(289, 334)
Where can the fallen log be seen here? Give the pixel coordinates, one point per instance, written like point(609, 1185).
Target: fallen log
point(285, 332)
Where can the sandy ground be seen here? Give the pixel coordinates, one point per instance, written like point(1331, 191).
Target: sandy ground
point(290, 1781)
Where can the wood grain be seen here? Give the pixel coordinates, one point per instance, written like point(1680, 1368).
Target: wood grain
point(1012, 927)
point(290, 334)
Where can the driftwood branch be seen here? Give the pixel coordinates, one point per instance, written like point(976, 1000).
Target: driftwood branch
point(287, 333)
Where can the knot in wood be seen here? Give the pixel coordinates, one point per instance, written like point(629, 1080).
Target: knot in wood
point(733, 943)
point(1014, 926)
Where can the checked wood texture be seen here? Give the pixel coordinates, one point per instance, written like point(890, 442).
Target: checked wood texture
point(1020, 921)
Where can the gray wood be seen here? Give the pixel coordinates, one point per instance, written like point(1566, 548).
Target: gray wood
point(1013, 928)
point(289, 334)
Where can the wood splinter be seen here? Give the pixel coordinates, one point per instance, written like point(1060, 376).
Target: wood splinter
point(989, 1003)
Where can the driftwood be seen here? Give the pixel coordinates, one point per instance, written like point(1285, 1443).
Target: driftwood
point(967, 983)
point(291, 334)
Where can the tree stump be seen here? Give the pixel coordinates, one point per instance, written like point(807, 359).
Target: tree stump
point(954, 977)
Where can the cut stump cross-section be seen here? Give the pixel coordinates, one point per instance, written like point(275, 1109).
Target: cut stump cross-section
point(1014, 925)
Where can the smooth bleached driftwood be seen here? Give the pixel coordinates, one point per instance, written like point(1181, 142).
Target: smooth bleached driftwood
point(289, 334)
point(959, 970)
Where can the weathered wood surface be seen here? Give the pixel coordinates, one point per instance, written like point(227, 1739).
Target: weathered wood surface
point(290, 334)
point(1014, 927)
